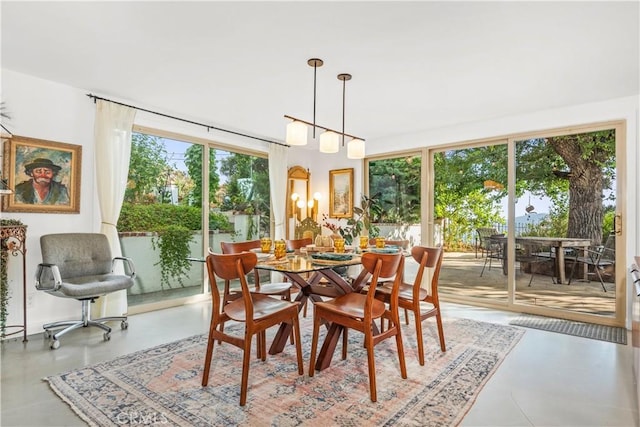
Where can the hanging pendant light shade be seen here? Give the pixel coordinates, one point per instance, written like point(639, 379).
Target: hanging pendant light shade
point(296, 133)
point(329, 142)
point(355, 149)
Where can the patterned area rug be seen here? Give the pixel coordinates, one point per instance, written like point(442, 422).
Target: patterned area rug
point(162, 384)
point(585, 330)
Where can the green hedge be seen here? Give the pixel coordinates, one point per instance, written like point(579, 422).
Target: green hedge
point(136, 217)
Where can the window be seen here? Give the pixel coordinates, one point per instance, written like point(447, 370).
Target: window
point(171, 203)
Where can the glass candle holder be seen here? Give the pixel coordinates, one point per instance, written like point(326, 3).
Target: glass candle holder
point(280, 249)
point(265, 245)
point(379, 242)
point(338, 245)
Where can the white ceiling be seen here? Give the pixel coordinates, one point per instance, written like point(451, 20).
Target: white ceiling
point(415, 65)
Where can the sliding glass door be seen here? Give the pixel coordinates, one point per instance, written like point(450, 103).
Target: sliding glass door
point(183, 198)
point(469, 220)
point(572, 178)
point(532, 222)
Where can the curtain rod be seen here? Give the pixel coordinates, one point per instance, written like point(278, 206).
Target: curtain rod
point(7, 130)
point(95, 98)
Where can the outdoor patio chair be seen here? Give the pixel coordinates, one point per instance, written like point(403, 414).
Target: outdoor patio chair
point(494, 249)
point(482, 239)
point(532, 255)
point(599, 259)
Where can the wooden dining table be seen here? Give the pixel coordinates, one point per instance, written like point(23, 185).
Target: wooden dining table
point(307, 275)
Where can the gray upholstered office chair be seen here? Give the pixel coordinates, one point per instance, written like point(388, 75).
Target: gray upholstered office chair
point(79, 265)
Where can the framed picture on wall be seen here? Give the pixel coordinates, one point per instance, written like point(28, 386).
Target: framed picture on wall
point(341, 193)
point(43, 175)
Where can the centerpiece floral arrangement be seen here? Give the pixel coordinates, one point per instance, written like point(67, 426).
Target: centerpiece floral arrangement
point(332, 225)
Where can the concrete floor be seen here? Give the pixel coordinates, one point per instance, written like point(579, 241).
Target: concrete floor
point(548, 379)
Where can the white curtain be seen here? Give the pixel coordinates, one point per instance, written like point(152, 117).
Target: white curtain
point(112, 133)
point(278, 185)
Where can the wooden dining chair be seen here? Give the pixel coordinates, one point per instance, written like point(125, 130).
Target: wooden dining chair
point(257, 312)
point(297, 244)
point(413, 297)
point(359, 311)
point(282, 289)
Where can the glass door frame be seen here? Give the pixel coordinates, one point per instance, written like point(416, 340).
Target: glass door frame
point(512, 304)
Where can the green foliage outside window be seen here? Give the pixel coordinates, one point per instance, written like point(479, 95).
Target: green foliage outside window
point(174, 226)
point(396, 182)
point(172, 242)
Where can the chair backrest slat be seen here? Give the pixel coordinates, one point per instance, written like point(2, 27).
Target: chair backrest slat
point(293, 244)
point(231, 267)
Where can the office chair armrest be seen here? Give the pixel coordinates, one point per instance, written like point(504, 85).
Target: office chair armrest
point(129, 265)
point(55, 272)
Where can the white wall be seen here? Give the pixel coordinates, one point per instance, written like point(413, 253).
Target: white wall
point(319, 164)
point(47, 110)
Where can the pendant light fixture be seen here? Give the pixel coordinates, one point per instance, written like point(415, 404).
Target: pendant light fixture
point(329, 141)
point(355, 147)
point(297, 131)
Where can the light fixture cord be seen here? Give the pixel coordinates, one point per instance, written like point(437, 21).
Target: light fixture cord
point(344, 88)
point(315, 68)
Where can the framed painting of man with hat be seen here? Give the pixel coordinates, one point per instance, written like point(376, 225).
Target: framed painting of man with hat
point(44, 176)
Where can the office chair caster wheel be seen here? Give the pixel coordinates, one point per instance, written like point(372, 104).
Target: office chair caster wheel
point(107, 336)
point(54, 345)
point(124, 325)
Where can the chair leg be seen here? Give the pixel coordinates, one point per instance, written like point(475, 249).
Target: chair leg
point(600, 278)
point(419, 339)
point(207, 359)
point(345, 342)
point(485, 264)
point(400, 346)
point(296, 331)
point(314, 342)
point(443, 346)
point(371, 364)
point(531, 280)
point(246, 359)
point(406, 316)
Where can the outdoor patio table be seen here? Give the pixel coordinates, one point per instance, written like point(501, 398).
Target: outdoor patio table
point(559, 243)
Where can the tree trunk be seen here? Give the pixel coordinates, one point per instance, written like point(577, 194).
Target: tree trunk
point(585, 190)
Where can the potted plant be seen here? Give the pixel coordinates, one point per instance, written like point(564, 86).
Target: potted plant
point(361, 221)
point(4, 280)
point(172, 242)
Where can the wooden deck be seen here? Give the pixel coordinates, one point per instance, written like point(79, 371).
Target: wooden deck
point(460, 277)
